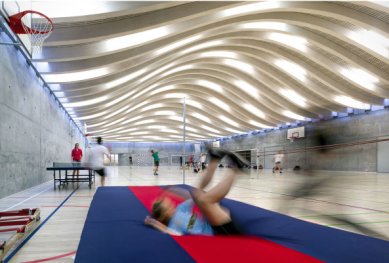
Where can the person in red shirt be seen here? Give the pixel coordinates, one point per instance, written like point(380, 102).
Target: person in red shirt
point(76, 157)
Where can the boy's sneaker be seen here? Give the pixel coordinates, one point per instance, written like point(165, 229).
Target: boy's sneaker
point(217, 154)
point(238, 160)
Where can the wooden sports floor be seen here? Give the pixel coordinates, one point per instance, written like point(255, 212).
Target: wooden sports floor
point(362, 198)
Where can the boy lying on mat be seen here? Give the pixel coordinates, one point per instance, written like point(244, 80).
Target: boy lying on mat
point(213, 219)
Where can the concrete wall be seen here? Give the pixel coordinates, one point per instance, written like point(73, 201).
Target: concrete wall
point(369, 125)
point(34, 132)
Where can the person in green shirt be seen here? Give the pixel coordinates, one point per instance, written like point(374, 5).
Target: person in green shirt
point(156, 161)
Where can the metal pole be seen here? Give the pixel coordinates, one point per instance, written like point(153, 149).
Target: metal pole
point(184, 139)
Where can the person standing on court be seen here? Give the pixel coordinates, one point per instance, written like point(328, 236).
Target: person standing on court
point(278, 161)
point(202, 160)
point(156, 161)
point(76, 158)
point(96, 159)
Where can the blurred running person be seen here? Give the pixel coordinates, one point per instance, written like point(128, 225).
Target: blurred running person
point(155, 155)
point(278, 161)
point(96, 159)
point(76, 158)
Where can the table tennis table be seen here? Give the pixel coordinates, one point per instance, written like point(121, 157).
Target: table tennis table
point(64, 179)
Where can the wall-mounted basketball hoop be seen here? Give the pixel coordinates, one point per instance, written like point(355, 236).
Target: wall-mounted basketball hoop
point(35, 25)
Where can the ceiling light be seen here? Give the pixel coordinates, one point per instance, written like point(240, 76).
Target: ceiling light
point(293, 115)
point(177, 44)
point(246, 87)
point(135, 39)
point(175, 96)
point(233, 131)
point(176, 118)
point(254, 110)
point(210, 85)
point(294, 97)
point(219, 103)
point(360, 77)
point(249, 8)
point(228, 120)
point(296, 42)
point(194, 104)
point(257, 124)
point(350, 102)
point(265, 25)
point(372, 40)
point(143, 122)
point(86, 102)
point(211, 54)
point(75, 76)
point(209, 129)
point(239, 65)
point(203, 46)
point(201, 117)
point(166, 112)
point(291, 68)
point(162, 89)
point(124, 79)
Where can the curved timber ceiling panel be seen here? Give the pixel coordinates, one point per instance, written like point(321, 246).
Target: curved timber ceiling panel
point(241, 66)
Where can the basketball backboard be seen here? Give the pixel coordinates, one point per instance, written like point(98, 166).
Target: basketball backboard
point(9, 8)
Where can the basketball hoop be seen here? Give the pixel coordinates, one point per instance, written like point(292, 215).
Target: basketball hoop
point(291, 139)
point(37, 31)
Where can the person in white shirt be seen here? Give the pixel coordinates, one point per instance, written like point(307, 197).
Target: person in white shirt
point(96, 159)
point(278, 160)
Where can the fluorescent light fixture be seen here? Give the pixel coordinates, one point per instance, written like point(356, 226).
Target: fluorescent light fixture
point(175, 96)
point(176, 118)
point(209, 129)
point(55, 87)
point(153, 106)
point(59, 94)
point(218, 54)
point(75, 76)
point(143, 122)
point(203, 46)
point(257, 124)
point(233, 131)
point(63, 100)
point(140, 133)
point(124, 79)
point(159, 127)
point(191, 129)
point(86, 102)
point(350, 102)
point(293, 115)
point(162, 89)
point(201, 117)
point(296, 42)
point(239, 65)
point(194, 104)
point(249, 8)
point(291, 68)
point(294, 97)
point(254, 110)
point(246, 87)
point(361, 77)
point(220, 104)
point(228, 120)
point(265, 26)
point(114, 122)
point(372, 40)
point(177, 69)
point(133, 119)
point(177, 44)
point(166, 112)
point(210, 85)
point(135, 39)
point(115, 112)
point(128, 130)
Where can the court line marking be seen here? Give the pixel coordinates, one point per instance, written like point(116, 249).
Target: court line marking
point(21, 202)
point(13, 253)
point(51, 258)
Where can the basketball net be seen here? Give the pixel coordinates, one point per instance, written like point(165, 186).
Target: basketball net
point(35, 25)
